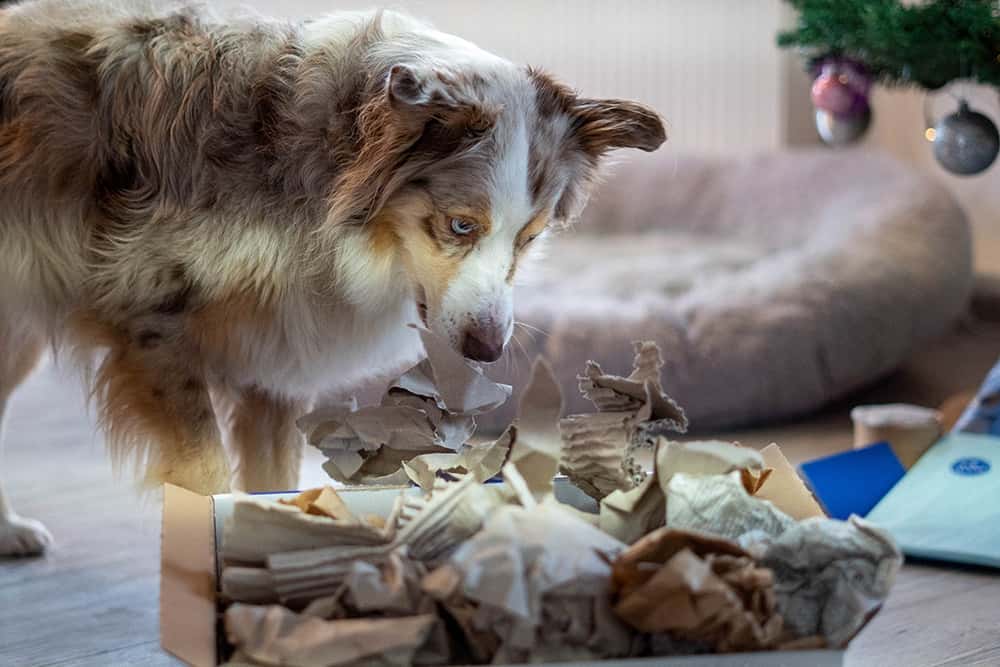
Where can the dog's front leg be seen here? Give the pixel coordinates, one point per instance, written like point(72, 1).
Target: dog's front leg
point(156, 407)
point(22, 348)
point(264, 437)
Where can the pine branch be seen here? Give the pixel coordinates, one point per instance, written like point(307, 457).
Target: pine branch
point(925, 44)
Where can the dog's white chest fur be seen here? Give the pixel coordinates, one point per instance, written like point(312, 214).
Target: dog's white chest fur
point(304, 352)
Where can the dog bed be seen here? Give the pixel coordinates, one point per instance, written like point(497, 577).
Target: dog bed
point(773, 285)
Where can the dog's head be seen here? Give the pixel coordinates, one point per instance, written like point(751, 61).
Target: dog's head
point(463, 167)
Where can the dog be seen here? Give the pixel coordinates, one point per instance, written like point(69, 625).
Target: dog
point(220, 219)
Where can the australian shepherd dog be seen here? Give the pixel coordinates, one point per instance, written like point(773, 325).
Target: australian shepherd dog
point(223, 218)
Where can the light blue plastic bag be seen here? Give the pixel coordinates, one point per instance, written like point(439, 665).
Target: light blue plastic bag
point(947, 506)
point(982, 415)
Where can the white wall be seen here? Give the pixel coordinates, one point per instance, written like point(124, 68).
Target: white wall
point(709, 66)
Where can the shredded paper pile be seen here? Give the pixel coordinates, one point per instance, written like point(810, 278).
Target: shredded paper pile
point(718, 549)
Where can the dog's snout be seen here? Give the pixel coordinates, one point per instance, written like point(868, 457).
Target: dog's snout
point(483, 343)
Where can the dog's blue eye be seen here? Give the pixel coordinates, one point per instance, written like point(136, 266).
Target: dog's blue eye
point(462, 227)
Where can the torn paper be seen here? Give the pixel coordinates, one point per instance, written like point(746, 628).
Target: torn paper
point(481, 461)
point(704, 457)
point(259, 527)
point(428, 412)
point(720, 505)
point(323, 501)
point(457, 385)
point(527, 565)
point(628, 515)
point(273, 635)
point(475, 645)
point(599, 449)
point(613, 393)
point(431, 527)
point(537, 447)
point(696, 588)
point(831, 576)
point(785, 488)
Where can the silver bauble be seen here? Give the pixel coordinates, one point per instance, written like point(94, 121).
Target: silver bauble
point(966, 142)
point(837, 130)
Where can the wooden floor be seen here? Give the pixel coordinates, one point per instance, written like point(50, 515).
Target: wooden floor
point(93, 599)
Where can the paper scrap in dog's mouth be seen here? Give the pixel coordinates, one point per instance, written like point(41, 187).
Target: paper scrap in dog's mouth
point(457, 385)
point(421, 428)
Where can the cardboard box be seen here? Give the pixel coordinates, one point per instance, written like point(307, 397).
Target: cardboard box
point(190, 621)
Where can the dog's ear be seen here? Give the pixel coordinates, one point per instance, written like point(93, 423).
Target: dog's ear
point(601, 125)
point(420, 94)
point(421, 89)
point(420, 116)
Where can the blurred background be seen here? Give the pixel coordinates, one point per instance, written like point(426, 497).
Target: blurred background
point(711, 68)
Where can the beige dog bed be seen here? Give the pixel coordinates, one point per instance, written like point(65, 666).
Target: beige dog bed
point(774, 285)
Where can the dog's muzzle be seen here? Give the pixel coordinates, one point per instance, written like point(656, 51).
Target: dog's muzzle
point(484, 341)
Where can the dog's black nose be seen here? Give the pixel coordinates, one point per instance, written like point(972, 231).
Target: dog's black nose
point(482, 345)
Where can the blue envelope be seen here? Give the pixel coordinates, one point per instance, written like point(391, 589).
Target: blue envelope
point(947, 507)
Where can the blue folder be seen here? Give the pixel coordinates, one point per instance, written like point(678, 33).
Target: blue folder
point(853, 482)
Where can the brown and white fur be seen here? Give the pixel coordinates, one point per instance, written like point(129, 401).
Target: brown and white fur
point(237, 215)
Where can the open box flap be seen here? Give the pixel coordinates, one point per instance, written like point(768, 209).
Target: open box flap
point(187, 577)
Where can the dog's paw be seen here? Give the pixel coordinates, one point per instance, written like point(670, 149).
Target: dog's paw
point(23, 537)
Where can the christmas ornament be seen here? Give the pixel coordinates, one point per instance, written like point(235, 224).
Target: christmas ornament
point(842, 130)
point(840, 94)
point(841, 87)
point(966, 142)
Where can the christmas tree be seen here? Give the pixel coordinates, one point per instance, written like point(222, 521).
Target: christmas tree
point(926, 44)
point(849, 44)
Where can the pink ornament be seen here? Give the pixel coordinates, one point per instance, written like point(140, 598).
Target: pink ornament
point(831, 94)
point(841, 87)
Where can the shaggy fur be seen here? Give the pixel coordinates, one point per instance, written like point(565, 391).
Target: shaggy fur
point(240, 214)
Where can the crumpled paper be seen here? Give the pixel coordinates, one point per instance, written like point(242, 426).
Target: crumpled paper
point(432, 526)
point(512, 575)
point(628, 515)
point(421, 428)
point(598, 453)
point(720, 505)
point(528, 567)
point(698, 588)
point(274, 635)
point(260, 527)
point(832, 576)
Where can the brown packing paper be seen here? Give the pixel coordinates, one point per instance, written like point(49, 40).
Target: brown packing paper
point(322, 501)
point(272, 635)
point(482, 461)
point(259, 527)
point(421, 428)
point(628, 515)
point(455, 383)
point(599, 449)
point(696, 587)
point(595, 451)
point(530, 566)
point(613, 393)
point(477, 644)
